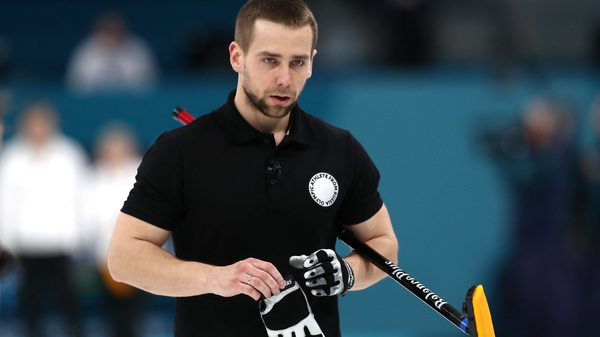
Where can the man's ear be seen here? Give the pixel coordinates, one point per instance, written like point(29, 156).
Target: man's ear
point(312, 60)
point(236, 56)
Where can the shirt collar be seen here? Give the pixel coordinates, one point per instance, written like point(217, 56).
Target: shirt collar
point(240, 131)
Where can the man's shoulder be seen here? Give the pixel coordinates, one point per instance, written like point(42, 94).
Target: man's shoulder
point(12, 150)
point(199, 122)
point(322, 128)
point(201, 128)
point(65, 142)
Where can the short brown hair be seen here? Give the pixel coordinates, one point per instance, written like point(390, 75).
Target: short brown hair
point(291, 13)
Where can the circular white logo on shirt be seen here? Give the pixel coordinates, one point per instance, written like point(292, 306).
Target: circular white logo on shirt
point(323, 189)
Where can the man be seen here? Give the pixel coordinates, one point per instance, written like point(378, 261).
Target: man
point(111, 59)
point(251, 189)
point(116, 160)
point(5, 97)
point(6, 260)
point(1, 127)
point(41, 173)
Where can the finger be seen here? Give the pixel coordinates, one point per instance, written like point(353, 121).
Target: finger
point(252, 292)
point(320, 256)
point(326, 280)
point(338, 288)
point(315, 272)
point(324, 269)
point(269, 275)
point(265, 283)
point(321, 281)
point(326, 291)
point(267, 272)
point(260, 286)
point(247, 288)
point(297, 261)
point(256, 288)
point(319, 292)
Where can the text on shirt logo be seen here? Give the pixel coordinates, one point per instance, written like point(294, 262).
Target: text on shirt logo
point(323, 189)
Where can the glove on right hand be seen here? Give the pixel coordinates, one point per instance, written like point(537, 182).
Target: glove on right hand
point(289, 314)
point(326, 273)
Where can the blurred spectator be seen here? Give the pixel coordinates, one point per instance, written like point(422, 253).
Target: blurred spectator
point(591, 172)
point(2, 107)
point(40, 178)
point(117, 158)
point(6, 260)
point(5, 97)
point(595, 33)
point(203, 49)
point(111, 59)
point(5, 56)
point(538, 162)
point(404, 29)
point(585, 231)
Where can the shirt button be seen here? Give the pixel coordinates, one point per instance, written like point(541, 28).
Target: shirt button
point(273, 181)
point(266, 140)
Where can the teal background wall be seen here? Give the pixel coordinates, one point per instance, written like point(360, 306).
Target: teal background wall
point(420, 122)
point(449, 210)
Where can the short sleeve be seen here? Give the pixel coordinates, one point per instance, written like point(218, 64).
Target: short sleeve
point(157, 195)
point(363, 200)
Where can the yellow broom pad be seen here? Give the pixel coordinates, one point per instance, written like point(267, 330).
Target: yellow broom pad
point(118, 289)
point(481, 312)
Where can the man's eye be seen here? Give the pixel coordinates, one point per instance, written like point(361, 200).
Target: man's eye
point(270, 60)
point(298, 63)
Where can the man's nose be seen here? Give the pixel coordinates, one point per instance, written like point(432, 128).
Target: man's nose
point(284, 77)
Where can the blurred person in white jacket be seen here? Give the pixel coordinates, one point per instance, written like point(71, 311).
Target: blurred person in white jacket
point(6, 260)
point(41, 174)
point(111, 59)
point(117, 157)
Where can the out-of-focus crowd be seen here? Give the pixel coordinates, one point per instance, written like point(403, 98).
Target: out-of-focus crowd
point(59, 201)
point(550, 282)
point(58, 208)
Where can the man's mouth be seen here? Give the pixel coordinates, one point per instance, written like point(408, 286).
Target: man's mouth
point(280, 99)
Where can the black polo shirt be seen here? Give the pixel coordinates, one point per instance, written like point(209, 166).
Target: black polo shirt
point(228, 193)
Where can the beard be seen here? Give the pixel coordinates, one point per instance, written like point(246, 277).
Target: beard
point(260, 103)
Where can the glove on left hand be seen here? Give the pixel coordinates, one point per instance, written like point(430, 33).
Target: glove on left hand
point(326, 273)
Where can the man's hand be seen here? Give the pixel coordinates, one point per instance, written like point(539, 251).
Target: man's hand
point(325, 272)
point(251, 276)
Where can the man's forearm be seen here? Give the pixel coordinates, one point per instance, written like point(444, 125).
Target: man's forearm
point(135, 257)
point(378, 233)
point(151, 268)
point(365, 273)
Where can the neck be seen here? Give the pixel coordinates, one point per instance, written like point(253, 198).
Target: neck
point(265, 124)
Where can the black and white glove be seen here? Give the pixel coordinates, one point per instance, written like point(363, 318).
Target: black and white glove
point(289, 314)
point(325, 272)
